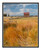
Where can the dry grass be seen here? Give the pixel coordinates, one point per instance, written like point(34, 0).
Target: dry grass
point(21, 32)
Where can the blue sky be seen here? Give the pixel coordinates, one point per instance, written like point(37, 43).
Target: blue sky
point(19, 9)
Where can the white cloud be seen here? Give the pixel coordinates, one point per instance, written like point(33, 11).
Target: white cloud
point(11, 13)
point(35, 10)
point(22, 10)
point(4, 6)
point(7, 11)
point(32, 11)
point(27, 10)
point(24, 4)
point(15, 13)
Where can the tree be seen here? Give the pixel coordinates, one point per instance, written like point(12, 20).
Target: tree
point(4, 14)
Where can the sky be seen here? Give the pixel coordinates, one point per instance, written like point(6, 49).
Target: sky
point(19, 9)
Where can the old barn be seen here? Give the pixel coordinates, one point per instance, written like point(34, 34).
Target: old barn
point(26, 14)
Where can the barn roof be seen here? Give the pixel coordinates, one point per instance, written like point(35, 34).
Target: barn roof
point(26, 12)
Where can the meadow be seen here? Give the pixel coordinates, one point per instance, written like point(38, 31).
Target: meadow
point(22, 32)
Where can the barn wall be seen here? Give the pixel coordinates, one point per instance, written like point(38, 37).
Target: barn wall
point(26, 14)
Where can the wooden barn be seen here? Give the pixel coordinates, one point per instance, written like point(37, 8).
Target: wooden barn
point(26, 14)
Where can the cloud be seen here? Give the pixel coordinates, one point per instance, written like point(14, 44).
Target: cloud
point(11, 13)
point(21, 12)
point(18, 10)
point(32, 11)
point(28, 10)
point(24, 4)
point(4, 6)
point(15, 13)
point(7, 11)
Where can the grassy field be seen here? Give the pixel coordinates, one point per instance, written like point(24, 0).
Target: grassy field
point(22, 32)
